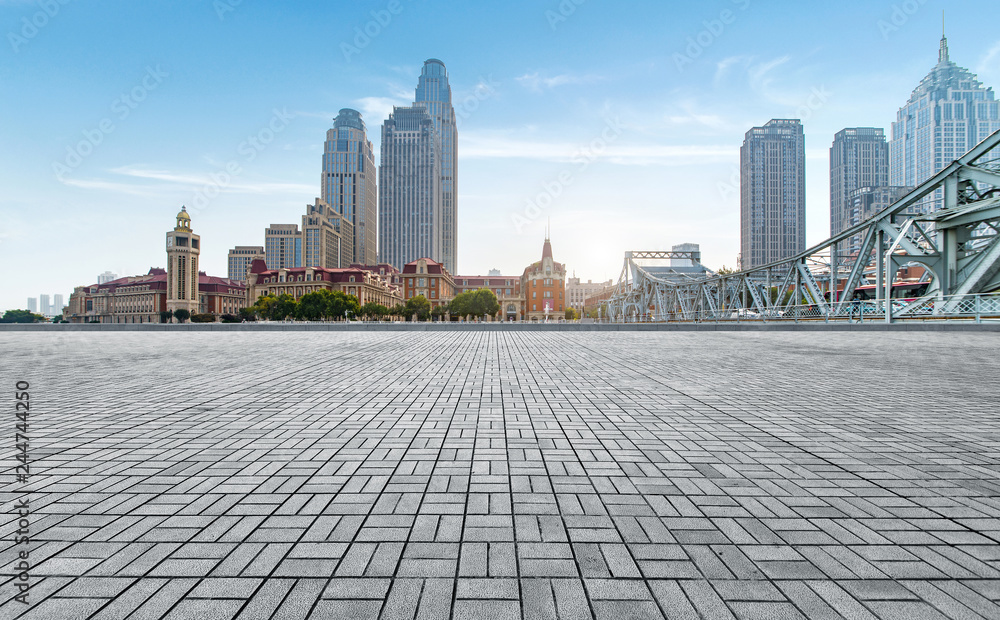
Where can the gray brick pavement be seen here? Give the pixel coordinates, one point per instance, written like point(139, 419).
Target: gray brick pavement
point(491, 474)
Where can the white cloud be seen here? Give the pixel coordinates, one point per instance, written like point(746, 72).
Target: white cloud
point(990, 63)
point(151, 182)
point(376, 109)
point(537, 82)
point(694, 114)
point(486, 146)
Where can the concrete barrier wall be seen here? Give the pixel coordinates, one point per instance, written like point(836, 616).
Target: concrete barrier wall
point(917, 326)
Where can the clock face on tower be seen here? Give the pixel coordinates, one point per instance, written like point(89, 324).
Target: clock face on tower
point(170, 242)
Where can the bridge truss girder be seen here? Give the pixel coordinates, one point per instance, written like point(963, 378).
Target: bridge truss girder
point(959, 245)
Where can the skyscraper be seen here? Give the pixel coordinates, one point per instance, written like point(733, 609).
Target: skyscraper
point(349, 183)
point(328, 238)
point(107, 276)
point(33, 304)
point(409, 182)
point(772, 193)
point(240, 259)
point(434, 92)
point(43, 307)
point(948, 113)
point(283, 246)
point(859, 157)
point(57, 304)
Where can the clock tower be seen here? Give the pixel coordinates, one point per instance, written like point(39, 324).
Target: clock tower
point(183, 248)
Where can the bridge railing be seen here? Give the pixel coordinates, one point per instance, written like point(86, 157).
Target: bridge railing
point(985, 307)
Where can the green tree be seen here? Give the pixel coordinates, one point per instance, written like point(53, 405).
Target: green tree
point(351, 306)
point(181, 315)
point(486, 303)
point(248, 314)
point(571, 314)
point(420, 306)
point(461, 305)
point(312, 306)
point(284, 307)
point(372, 310)
point(478, 303)
point(21, 316)
point(264, 306)
point(725, 271)
point(339, 305)
point(165, 316)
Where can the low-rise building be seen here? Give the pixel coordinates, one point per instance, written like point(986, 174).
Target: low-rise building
point(506, 288)
point(544, 286)
point(367, 286)
point(140, 299)
point(429, 278)
point(577, 292)
point(598, 299)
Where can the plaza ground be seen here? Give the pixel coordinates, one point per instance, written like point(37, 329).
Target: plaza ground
point(507, 474)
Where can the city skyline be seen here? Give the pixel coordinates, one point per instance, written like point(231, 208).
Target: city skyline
point(646, 127)
point(772, 193)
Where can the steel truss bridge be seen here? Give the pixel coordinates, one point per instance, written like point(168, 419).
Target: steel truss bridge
point(958, 246)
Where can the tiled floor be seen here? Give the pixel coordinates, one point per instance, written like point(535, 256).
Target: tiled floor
point(507, 475)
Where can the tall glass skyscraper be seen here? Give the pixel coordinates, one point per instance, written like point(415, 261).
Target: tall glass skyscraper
point(947, 114)
point(434, 92)
point(349, 183)
point(409, 197)
point(859, 158)
point(772, 193)
point(418, 179)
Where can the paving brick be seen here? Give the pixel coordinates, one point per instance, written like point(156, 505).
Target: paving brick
point(438, 466)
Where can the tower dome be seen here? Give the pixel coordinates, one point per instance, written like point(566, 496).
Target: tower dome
point(183, 220)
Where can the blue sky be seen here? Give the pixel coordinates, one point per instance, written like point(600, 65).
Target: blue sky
point(618, 122)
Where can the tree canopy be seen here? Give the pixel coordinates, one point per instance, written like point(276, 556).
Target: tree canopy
point(315, 306)
point(419, 306)
point(21, 316)
point(482, 302)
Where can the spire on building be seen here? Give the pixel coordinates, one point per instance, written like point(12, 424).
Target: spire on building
point(943, 51)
